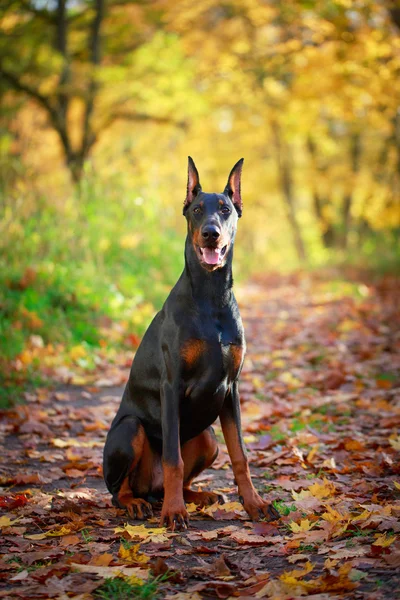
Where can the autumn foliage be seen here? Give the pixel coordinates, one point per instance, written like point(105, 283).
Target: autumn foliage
point(321, 422)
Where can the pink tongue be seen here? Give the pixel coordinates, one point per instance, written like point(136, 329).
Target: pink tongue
point(211, 255)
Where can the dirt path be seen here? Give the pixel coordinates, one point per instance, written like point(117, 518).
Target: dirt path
point(321, 415)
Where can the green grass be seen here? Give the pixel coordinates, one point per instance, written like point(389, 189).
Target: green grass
point(283, 508)
point(121, 589)
point(104, 261)
point(87, 538)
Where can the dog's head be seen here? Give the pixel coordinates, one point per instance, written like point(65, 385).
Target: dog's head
point(212, 218)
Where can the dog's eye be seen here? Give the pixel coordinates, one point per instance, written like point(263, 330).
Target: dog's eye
point(197, 210)
point(225, 210)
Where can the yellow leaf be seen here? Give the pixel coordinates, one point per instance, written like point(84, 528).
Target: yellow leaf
point(77, 352)
point(301, 495)
point(191, 507)
point(329, 463)
point(291, 381)
point(142, 532)
point(305, 525)
point(384, 541)
point(396, 485)
point(289, 576)
point(52, 533)
point(395, 442)
point(332, 515)
point(6, 521)
point(132, 555)
point(134, 580)
point(312, 453)
point(330, 563)
point(322, 490)
point(59, 443)
point(227, 507)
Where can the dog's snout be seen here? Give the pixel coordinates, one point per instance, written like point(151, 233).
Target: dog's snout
point(210, 233)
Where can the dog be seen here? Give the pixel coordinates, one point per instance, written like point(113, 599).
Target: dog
point(185, 374)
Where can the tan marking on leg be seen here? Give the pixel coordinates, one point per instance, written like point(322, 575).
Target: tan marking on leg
point(240, 464)
point(173, 480)
point(173, 512)
point(136, 507)
point(252, 501)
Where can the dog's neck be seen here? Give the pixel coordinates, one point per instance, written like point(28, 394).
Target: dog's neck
point(212, 288)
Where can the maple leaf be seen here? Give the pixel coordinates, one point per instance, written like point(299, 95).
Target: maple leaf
point(334, 516)
point(228, 510)
point(383, 541)
point(290, 576)
point(305, 525)
point(142, 532)
point(322, 490)
point(301, 495)
point(132, 554)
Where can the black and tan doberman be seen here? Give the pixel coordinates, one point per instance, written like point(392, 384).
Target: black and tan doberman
point(185, 374)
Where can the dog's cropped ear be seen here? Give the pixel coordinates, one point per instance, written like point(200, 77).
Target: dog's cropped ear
point(193, 184)
point(233, 186)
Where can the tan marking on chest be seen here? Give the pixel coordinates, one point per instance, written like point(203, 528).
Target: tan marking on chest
point(192, 351)
point(237, 353)
point(232, 356)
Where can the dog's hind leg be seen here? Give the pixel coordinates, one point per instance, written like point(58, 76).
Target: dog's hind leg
point(127, 466)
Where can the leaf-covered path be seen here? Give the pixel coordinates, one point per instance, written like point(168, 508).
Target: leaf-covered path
point(321, 416)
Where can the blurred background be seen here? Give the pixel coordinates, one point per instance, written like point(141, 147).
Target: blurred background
point(103, 100)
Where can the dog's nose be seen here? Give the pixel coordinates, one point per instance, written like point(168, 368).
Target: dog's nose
point(210, 233)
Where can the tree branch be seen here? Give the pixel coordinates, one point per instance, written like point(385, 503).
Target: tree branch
point(24, 88)
point(137, 117)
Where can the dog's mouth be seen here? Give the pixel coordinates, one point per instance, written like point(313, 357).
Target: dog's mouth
point(212, 256)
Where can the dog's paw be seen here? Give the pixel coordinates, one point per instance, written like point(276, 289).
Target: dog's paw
point(257, 508)
point(138, 508)
point(174, 515)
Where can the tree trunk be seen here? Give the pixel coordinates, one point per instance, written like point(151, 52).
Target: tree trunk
point(327, 229)
point(355, 153)
point(286, 183)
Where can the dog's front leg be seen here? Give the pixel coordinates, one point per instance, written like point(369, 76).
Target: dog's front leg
point(174, 513)
point(231, 428)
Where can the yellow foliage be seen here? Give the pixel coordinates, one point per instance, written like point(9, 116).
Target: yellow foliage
point(292, 577)
point(133, 555)
point(6, 521)
point(305, 525)
point(141, 532)
point(322, 490)
point(52, 533)
point(383, 540)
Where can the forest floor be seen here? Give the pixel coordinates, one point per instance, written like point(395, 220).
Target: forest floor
point(320, 396)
